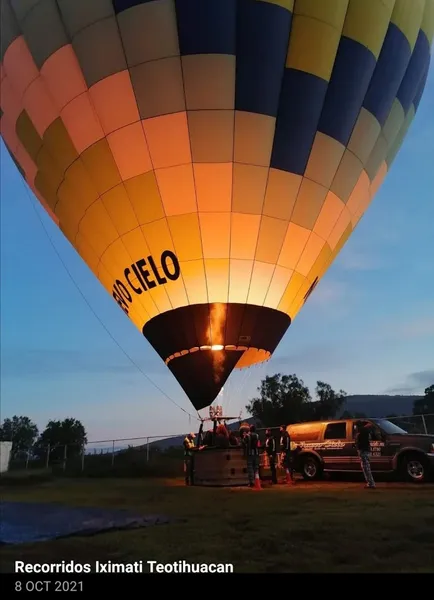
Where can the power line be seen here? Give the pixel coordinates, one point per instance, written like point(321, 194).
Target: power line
point(93, 311)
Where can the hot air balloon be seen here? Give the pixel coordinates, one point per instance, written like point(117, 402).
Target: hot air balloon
point(208, 159)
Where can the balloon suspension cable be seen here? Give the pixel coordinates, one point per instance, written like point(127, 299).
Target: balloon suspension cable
point(133, 362)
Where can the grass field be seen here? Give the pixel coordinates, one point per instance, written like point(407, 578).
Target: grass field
point(329, 526)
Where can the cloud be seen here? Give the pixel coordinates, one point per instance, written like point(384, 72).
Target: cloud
point(358, 260)
point(424, 267)
point(417, 328)
point(331, 299)
point(311, 359)
point(55, 363)
point(415, 383)
point(398, 328)
point(366, 248)
point(327, 292)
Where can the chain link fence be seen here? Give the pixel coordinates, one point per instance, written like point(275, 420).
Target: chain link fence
point(149, 454)
point(128, 455)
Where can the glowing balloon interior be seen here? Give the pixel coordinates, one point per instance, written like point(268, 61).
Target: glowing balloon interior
point(208, 159)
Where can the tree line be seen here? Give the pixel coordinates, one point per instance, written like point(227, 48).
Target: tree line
point(285, 399)
point(25, 436)
point(281, 399)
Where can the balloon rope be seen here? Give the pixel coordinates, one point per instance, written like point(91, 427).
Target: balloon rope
point(243, 376)
point(93, 311)
point(248, 374)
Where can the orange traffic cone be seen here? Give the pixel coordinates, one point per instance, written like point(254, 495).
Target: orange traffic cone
point(288, 477)
point(257, 482)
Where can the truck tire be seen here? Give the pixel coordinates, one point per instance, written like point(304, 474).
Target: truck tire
point(413, 467)
point(311, 468)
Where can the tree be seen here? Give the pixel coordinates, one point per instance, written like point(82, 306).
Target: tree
point(328, 401)
point(58, 434)
point(425, 405)
point(285, 399)
point(21, 431)
point(282, 399)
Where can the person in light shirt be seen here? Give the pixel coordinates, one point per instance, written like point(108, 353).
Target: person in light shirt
point(188, 458)
point(363, 445)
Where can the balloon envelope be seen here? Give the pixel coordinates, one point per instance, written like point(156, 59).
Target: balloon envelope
point(208, 159)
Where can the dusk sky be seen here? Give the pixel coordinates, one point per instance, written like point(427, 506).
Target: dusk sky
point(367, 328)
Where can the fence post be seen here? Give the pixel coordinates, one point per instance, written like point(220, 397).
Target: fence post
point(424, 424)
point(64, 456)
point(113, 453)
point(147, 449)
point(82, 458)
point(47, 462)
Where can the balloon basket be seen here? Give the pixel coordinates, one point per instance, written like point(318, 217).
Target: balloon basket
point(227, 467)
point(217, 466)
point(220, 467)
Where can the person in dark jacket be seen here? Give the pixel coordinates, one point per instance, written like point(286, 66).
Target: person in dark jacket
point(252, 451)
point(285, 448)
point(362, 443)
point(271, 450)
point(233, 440)
point(222, 436)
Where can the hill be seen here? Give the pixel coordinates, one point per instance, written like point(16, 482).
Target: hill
point(374, 406)
point(380, 406)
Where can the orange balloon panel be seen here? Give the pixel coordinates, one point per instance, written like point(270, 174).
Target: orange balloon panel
point(209, 159)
